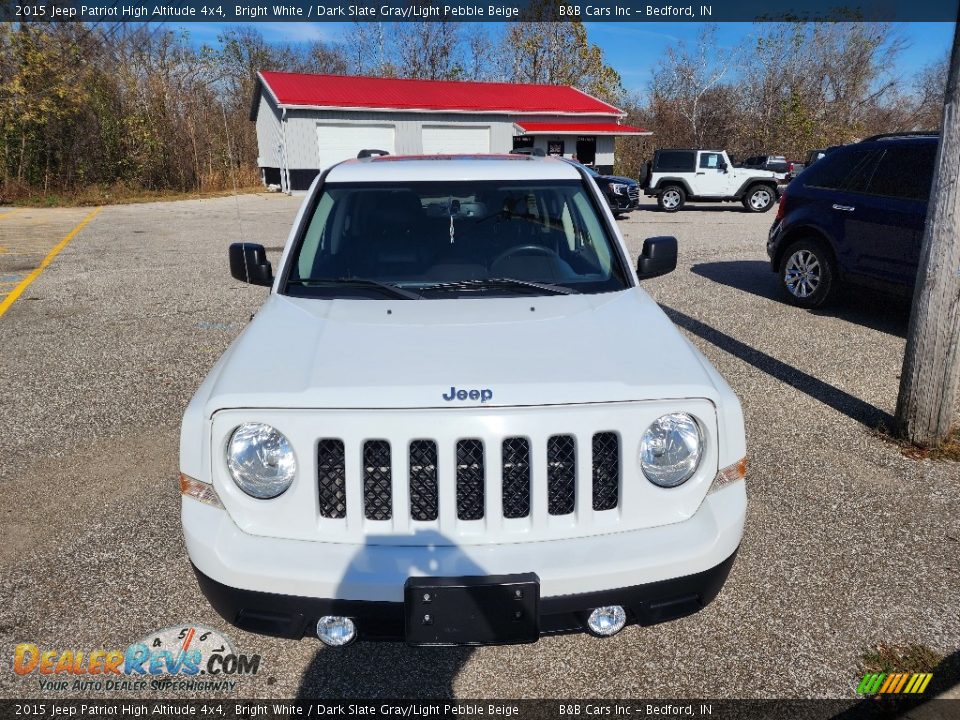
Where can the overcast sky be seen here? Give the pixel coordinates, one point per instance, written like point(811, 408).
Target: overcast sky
point(631, 48)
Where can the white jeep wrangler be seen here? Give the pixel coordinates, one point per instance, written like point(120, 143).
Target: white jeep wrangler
point(458, 419)
point(676, 176)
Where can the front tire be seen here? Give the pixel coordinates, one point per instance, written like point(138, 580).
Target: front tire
point(807, 273)
point(671, 198)
point(759, 198)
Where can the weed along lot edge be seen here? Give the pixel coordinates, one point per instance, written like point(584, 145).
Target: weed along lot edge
point(847, 544)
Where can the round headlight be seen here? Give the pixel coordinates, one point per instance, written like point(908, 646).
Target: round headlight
point(670, 450)
point(261, 460)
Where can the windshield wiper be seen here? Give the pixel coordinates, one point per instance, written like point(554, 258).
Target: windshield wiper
point(386, 288)
point(502, 283)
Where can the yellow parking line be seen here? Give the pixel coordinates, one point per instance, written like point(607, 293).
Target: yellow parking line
point(18, 290)
point(7, 214)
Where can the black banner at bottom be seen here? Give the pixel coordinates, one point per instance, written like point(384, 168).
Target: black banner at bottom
point(233, 709)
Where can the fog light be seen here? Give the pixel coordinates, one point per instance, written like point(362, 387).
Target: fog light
point(336, 631)
point(607, 621)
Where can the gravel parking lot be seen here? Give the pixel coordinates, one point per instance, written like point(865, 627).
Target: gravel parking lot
point(848, 543)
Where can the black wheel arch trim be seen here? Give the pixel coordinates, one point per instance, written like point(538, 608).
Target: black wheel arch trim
point(750, 182)
point(662, 183)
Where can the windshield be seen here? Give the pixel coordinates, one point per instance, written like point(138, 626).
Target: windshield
point(476, 239)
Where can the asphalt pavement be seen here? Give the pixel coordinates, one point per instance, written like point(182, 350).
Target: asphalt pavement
point(848, 543)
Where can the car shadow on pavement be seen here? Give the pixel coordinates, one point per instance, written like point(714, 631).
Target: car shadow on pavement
point(860, 306)
point(840, 400)
point(711, 207)
point(392, 669)
point(382, 670)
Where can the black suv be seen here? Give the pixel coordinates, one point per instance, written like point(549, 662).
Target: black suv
point(622, 193)
point(774, 163)
point(855, 216)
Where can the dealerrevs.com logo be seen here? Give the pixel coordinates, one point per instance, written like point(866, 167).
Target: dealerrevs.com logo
point(192, 657)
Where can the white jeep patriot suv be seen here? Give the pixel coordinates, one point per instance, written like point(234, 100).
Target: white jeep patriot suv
point(458, 419)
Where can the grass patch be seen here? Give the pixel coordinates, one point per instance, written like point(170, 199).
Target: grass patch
point(948, 449)
point(118, 194)
point(900, 658)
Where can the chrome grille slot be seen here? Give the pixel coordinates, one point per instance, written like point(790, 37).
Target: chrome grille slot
point(561, 474)
point(424, 503)
point(606, 471)
point(470, 480)
point(331, 478)
point(377, 482)
point(516, 477)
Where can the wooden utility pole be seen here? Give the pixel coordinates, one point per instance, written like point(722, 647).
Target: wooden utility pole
point(926, 405)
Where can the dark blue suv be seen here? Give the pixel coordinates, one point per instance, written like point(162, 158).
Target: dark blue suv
point(856, 216)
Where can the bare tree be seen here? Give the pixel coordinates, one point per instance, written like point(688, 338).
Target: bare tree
point(429, 50)
point(484, 51)
point(541, 49)
point(685, 76)
point(855, 63)
point(930, 86)
point(366, 45)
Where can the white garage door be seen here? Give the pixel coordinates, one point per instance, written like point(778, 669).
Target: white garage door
point(336, 142)
point(442, 139)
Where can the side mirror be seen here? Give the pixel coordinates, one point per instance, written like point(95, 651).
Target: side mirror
point(249, 264)
point(659, 257)
point(722, 166)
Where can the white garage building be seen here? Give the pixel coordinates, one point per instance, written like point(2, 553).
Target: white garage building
point(306, 123)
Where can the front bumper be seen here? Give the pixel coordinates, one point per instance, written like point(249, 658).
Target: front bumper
point(292, 616)
point(282, 587)
point(623, 203)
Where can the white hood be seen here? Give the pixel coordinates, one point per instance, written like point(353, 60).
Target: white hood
point(564, 349)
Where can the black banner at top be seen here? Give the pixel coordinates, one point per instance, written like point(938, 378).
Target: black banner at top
point(181, 11)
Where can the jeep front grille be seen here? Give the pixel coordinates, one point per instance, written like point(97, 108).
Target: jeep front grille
point(470, 480)
point(424, 504)
point(606, 471)
point(377, 484)
point(516, 477)
point(468, 470)
point(561, 474)
point(331, 479)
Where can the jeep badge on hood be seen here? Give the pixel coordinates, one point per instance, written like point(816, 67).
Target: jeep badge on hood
point(483, 394)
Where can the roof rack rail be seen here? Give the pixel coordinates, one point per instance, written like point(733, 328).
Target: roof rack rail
point(371, 153)
point(905, 134)
point(533, 152)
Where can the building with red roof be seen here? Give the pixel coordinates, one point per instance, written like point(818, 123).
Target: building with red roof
point(305, 123)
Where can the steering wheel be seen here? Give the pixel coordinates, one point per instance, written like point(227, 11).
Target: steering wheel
point(535, 249)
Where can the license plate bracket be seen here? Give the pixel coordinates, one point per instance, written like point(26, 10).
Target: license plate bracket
point(482, 610)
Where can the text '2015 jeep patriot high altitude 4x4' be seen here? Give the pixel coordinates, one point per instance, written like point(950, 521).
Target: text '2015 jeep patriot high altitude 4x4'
point(458, 419)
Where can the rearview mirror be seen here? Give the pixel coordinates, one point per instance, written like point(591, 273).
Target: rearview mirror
point(659, 257)
point(249, 264)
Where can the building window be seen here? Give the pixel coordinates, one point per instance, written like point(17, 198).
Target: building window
point(555, 147)
point(522, 141)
